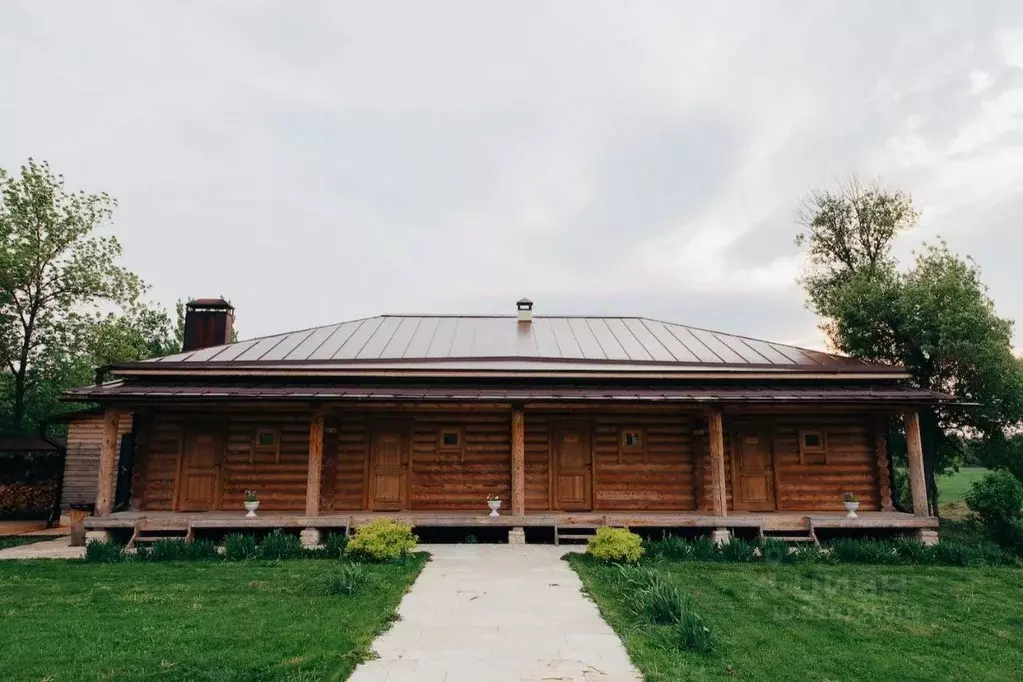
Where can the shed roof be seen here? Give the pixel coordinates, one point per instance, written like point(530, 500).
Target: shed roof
point(473, 343)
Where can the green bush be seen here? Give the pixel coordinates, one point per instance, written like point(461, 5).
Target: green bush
point(856, 551)
point(958, 554)
point(663, 603)
point(704, 549)
point(671, 547)
point(347, 580)
point(738, 550)
point(334, 545)
point(382, 540)
point(912, 551)
point(619, 545)
point(280, 545)
point(773, 550)
point(166, 549)
point(997, 498)
point(239, 546)
point(104, 552)
point(199, 550)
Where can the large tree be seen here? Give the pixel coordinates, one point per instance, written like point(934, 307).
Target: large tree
point(935, 317)
point(65, 302)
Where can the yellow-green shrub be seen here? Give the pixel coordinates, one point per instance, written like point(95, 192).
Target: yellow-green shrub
point(382, 540)
point(615, 544)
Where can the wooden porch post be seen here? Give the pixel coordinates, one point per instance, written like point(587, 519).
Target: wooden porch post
point(313, 475)
point(719, 495)
point(915, 455)
point(518, 462)
point(883, 473)
point(107, 463)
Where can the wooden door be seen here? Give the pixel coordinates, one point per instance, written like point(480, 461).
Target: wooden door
point(573, 472)
point(199, 477)
point(387, 470)
point(753, 469)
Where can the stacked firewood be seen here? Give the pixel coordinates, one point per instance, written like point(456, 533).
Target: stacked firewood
point(26, 496)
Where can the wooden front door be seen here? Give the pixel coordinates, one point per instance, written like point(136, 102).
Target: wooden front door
point(199, 479)
point(387, 470)
point(573, 472)
point(753, 469)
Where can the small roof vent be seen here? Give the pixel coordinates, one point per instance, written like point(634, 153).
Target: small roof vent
point(525, 309)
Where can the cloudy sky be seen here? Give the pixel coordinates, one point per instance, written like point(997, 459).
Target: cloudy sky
point(318, 161)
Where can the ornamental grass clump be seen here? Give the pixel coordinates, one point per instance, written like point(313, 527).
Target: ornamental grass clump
point(240, 546)
point(382, 540)
point(104, 552)
point(334, 545)
point(738, 550)
point(775, 551)
point(347, 580)
point(664, 604)
point(669, 547)
point(618, 545)
point(280, 545)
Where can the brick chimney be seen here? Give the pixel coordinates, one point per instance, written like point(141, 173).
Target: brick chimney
point(208, 322)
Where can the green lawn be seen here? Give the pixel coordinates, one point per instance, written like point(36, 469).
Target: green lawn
point(953, 487)
point(7, 541)
point(814, 622)
point(71, 621)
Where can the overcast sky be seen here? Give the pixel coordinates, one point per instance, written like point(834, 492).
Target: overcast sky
point(317, 161)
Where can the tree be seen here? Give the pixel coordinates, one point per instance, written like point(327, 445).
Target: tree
point(56, 275)
point(936, 318)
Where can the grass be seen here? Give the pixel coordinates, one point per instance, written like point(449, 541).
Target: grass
point(8, 541)
point(254, 620)
point(954, 486)
point(849, 622)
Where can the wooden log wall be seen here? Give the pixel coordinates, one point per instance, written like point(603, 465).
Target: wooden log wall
point(672, 474)
point(84, 442)
point(851, 463)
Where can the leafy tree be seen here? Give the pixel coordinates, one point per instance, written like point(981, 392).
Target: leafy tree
point(935, 318)
point(58, 282)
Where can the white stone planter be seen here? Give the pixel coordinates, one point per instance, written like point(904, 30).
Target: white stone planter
point(494, 506)
point(251, 506)
point(851, 507)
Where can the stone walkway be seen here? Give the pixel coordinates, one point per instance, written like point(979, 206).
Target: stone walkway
point(498, 613)
point(59, 548)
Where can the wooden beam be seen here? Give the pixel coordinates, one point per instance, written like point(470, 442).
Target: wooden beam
point(518, 462)
point(915, 455)
point(315, 468)
point(884, 480)
point(107, 463)
point(719, 495)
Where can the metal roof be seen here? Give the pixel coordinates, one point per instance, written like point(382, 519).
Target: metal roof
point(472, 342)
point(840, 393)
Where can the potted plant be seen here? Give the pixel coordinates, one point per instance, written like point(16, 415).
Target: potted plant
point(251, 503)
point(494, 502)
point(851, 504)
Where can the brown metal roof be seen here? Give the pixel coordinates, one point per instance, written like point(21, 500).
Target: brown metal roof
point(840, 393)
point(473, 343)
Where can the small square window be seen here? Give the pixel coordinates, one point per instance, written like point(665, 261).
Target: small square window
point(265, 446)
point(813, 447)
point(267, 438)
point(449, 439)
point(632, 439)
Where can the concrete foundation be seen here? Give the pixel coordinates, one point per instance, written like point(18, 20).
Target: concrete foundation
point(517, 536)
point(720, 536)
point(927, 537)
point(98, 536)
point(310, 538)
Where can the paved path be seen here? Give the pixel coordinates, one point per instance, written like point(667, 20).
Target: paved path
point(47, 549)
point(498, 613)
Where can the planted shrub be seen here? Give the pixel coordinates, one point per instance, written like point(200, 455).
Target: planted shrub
point(954, 553)
point(167, 550)
point(738, 550)
point(912, 551)
point(382, 540)
point(693, 633)
point(238, 547)
point(280, 545)
point(663, 603)
point(199, 550)
point(856, 551)
point(997, 498)
point(347, 580)
point(104, 552)
point(334, 545)
point(773, 550)
point(704, 549)
point(619, 545)
point(670, 547)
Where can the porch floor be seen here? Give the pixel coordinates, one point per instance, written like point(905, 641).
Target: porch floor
point(768, 521)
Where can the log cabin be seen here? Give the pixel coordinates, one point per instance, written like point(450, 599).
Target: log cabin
point(573, 422)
